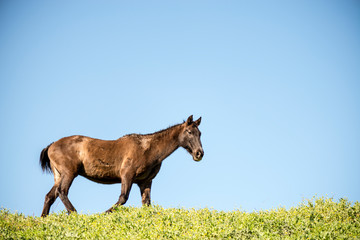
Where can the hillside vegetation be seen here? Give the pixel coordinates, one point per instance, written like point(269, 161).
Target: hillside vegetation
point(320, 218)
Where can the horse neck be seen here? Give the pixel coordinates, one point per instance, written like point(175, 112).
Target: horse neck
point(165, 142)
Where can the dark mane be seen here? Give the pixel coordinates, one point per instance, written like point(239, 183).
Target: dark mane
point(154, 133)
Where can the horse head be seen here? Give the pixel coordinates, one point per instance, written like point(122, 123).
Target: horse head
point(190, 138)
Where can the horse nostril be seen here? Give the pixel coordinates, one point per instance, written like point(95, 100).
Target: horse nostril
point(199, 154)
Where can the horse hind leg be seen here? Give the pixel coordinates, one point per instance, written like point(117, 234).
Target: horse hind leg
point(49, 200)
point(52, 194)
point(63, 191)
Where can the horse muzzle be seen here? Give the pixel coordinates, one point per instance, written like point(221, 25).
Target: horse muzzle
point(198, 155)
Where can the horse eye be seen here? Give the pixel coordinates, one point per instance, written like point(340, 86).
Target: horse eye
point(189, 132)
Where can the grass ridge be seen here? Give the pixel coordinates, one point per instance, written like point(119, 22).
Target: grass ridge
point(318, 218)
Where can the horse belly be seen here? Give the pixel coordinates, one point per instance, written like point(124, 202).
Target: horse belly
point(100, 172)
point(103, 180)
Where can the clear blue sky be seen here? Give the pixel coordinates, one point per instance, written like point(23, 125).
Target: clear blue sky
point(277, 84)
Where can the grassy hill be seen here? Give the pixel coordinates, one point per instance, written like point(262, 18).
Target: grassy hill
point(320, 218)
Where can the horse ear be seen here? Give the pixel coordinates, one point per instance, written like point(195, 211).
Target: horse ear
point(197, 122)
point(189, 120)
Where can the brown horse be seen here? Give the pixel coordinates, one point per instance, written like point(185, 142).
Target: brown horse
point(130, 159)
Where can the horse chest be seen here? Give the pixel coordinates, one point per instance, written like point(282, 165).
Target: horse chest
point(147, 173)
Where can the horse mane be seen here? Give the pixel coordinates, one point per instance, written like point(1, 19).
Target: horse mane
point(162, 131)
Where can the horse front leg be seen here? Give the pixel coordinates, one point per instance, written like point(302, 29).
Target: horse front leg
point(145, 189)
point(126, 184)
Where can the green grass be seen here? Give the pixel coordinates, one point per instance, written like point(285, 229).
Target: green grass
point(320, 218)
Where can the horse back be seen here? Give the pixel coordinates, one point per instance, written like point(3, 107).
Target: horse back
point(89, 157)
point(103, 161)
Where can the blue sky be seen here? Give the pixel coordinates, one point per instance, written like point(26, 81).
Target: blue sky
point(276, 83)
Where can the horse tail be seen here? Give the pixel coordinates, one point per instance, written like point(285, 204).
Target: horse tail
point(45, 160)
